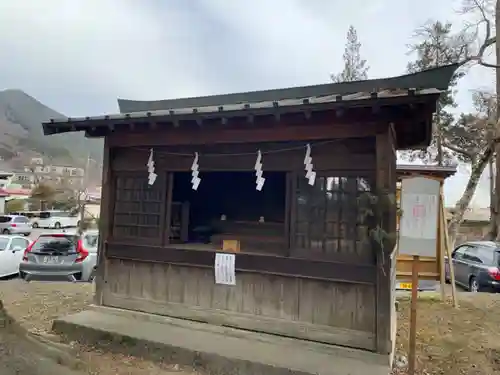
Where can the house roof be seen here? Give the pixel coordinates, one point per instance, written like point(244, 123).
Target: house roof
point(17, 191)
point(429, 170)
point(472, 214)
point(425, 86)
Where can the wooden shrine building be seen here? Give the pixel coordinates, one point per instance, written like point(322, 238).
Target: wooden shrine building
point(308, 265)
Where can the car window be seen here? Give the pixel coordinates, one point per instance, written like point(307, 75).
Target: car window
point(487, 255)
point(5, 219)
point(21, 219)
point(90, 241)
point(55, 243)
point(19, 242)
point(3, 243)
point(472, 254)
point(459, 252)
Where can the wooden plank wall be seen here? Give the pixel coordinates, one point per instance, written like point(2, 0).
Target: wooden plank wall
point(335, 155)
point(336, 313)
point(342, 313)
point(386, 183)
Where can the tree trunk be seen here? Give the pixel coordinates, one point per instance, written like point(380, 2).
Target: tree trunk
point(495, 220)
point(477, 170)
point(492, 234)
point(439, 145)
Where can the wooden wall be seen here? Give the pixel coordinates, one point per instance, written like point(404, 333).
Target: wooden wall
point(337, 313)
point(347, 156)
point(354, 310)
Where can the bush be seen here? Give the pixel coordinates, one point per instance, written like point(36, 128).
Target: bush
point(14, 205)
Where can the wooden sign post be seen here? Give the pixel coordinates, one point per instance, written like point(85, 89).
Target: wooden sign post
point(413, 316)
point(447, 251)
point(420, 201)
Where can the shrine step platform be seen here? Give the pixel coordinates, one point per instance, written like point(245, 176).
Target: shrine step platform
point(213, 349)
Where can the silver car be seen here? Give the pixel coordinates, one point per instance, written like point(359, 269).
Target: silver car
point(15, 224)
point(61, 257)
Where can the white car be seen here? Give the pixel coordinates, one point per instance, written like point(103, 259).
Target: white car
point(11, 254)
point(55, 219)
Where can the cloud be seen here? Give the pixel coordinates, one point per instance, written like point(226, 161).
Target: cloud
point(78, 56)
point(105, 48)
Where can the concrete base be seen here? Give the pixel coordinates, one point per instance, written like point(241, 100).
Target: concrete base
point(214, 349)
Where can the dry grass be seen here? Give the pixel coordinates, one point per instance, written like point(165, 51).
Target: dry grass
point(36, 305)
point(454, 341)
point(450, 341)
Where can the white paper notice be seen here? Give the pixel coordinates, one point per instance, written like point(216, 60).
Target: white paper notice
point(225, 269)
point(419, 219)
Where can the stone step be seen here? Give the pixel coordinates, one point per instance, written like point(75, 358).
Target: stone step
point(214, 349)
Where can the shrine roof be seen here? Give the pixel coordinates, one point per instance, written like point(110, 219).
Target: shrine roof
point(425, 86)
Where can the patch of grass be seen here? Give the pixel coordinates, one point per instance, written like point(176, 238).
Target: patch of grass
point(453, 341)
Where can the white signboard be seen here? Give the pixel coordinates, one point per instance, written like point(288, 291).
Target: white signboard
point(225, 269)
point(418, 227)
point(419, 216)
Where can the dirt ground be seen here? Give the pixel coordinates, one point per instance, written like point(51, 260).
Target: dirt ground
point(449, 341)
point(36, 305)
point(453, 341)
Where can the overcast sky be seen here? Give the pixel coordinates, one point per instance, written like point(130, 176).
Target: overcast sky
point(78, 56)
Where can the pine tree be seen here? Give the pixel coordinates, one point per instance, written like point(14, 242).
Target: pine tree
point(355, 68)
point(465, 138)
point(436, 46)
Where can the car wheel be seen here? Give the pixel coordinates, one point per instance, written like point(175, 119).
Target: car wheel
point(5, 231)
point(473, 285)
point(35, 225)
point(57, 225)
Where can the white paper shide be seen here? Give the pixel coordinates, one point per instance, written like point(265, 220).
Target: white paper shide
point(259, 181)
point(195, 171)
point(151, 168)
point(225, 269)
point(309, 167)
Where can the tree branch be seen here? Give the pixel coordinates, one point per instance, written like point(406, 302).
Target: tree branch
point(458, 150)
point(488, 39)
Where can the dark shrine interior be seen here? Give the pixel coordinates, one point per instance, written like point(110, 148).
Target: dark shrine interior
point(227, 204)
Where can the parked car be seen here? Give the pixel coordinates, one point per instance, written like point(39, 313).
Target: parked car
point(11, 254)
point(476, 265)
point(15, 224)
point(55, 219)
point(61, 256)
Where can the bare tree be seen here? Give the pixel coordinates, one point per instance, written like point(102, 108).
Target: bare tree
point(485, 34)
point(463, 139)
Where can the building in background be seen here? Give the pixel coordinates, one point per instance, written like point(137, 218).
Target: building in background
point(475, 225)
point(37, 171)
point(5, 178)
point(3, 196)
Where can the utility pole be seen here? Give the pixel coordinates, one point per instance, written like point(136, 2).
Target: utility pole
point(81, 204)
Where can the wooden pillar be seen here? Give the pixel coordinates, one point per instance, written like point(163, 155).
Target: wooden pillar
point(386, 181)
point(105, 223)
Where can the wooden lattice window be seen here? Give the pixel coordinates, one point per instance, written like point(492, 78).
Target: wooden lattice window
point(329, 223)
point(138, 207)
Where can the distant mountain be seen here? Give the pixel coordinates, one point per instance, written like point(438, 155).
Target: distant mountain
point(21, 118)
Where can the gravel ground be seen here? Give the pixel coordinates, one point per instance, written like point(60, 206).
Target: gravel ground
point(35, 305)
point(449, 341)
